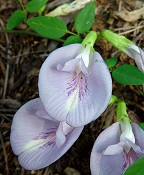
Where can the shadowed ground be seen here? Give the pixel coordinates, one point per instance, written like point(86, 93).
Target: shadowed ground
point(21, 56)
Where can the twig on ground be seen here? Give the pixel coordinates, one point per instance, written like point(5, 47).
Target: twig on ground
point(132, 30)
point(5, 154)
point(6, 81)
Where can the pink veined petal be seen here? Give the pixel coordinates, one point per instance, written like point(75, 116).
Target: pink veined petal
point(98, 92)
point(53, 82)
point(129, 158)
point(136, 148)
point(133, 153)
point(33, 138)
point(26, 126)
point(76, 98)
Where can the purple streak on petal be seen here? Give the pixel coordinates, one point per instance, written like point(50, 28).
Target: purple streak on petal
point(99, 84)
point(33, 137)
point(99, 87)
point(55, 96)
point(53, 82)
point(129, 158)
point(26, 125)
point(49, 135)
point(78, 82)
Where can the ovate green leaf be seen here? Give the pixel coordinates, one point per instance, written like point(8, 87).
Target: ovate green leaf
point(137, 168)
point(35, 5)
point(128, 75)
point(72, 40)
point(47, 26)
point(111, 62)
point(15, 19)
point(85, 18)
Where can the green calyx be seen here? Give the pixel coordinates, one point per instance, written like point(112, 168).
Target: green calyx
point(119, 42)
point(113, 100)
point(90, 39)
point(121, 111)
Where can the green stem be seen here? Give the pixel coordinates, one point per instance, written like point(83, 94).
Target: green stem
point(20, 1)
point(26, 33)
point(71, 33)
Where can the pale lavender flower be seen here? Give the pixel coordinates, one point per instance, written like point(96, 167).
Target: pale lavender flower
point(75, 84)
point(116, 148)
point(37, 139)
point(137, 54)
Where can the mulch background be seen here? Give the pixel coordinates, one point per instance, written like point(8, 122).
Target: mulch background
point(21, 56)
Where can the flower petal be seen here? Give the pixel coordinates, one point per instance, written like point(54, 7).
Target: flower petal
point(103, 163)
point(27, 126)
point(60, 136)
point(137, 54)
point(95, 162)
point(129, 158)
point(52, 82)
point(139, 134)
point(109, 136)
point(33, 138)
point(112, 164)
point(69, 66)
point(78, 99)
point(113, 150)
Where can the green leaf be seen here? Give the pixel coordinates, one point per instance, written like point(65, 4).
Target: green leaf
point(128, 75)
point(111, 62)
point(141, 125)
point(47, 26)
point(15, 19)
point(72, 40)
point(85, 18)
point(137, 168)
point(35, 5)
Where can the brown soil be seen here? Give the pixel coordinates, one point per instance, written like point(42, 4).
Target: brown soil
point(21, 56)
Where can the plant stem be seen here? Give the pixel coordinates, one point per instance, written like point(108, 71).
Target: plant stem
point(20, 1)
point(26, 33)
point(71, 33)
